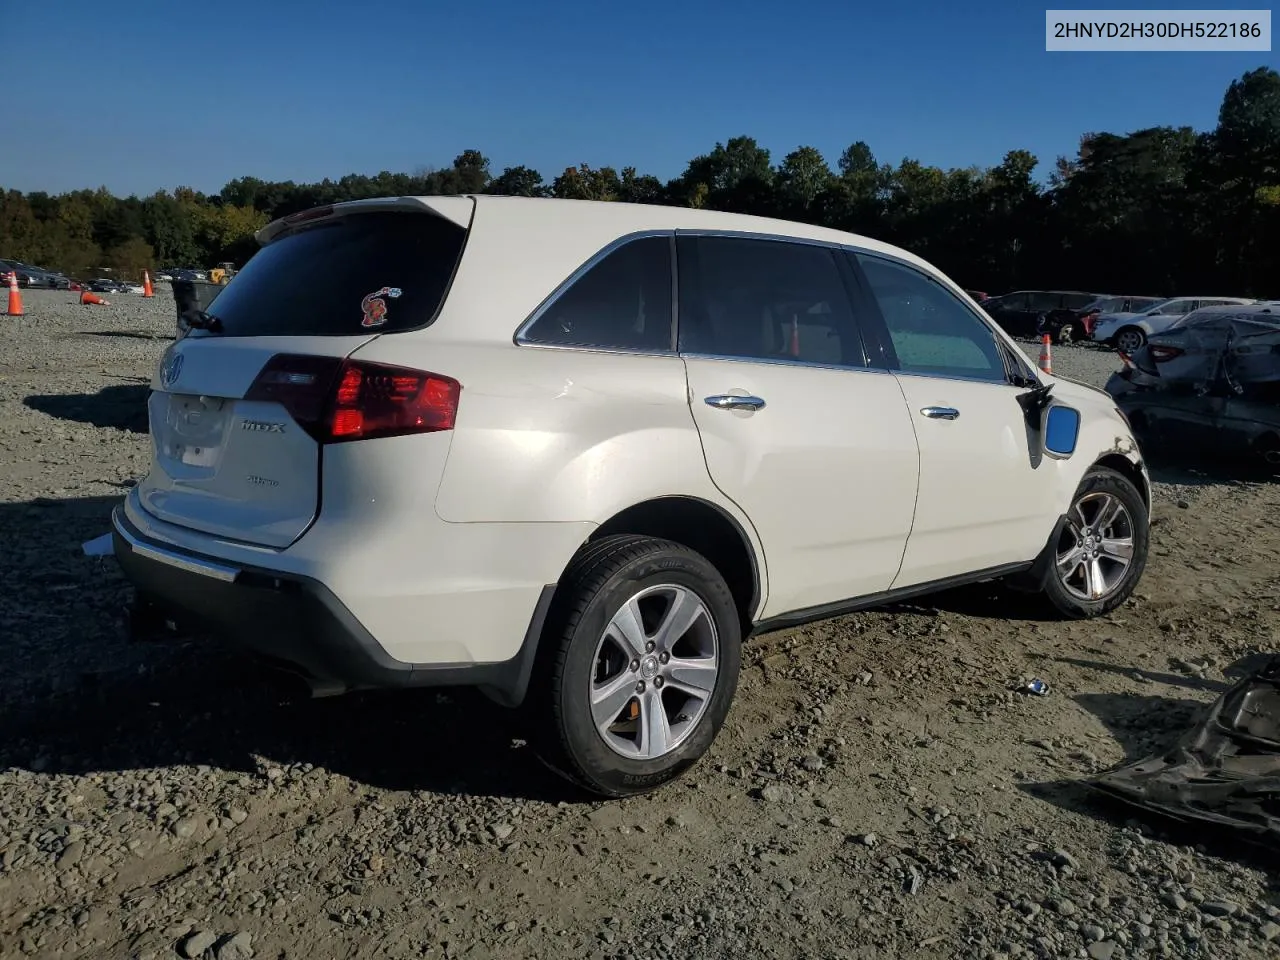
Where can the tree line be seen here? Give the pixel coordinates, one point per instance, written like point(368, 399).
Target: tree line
point(1158, 211)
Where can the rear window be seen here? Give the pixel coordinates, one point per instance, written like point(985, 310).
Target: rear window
point(364, 273)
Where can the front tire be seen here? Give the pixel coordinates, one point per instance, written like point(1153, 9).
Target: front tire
point(637, 667)
point(1097, 557)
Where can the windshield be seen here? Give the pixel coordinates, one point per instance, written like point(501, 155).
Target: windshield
point(370, 273)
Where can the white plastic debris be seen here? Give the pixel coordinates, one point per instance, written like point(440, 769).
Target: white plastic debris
point(98, 547)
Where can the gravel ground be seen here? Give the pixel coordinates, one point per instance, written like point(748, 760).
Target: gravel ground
point(879, 790)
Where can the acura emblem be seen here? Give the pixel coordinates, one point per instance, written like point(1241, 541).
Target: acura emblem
point(171, 370)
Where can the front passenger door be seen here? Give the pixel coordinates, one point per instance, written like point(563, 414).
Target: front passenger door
point(982, 504)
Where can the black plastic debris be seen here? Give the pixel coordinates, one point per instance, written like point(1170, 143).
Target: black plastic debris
point(1224, 771)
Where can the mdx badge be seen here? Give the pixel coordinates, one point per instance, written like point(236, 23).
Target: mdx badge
point(262, 426)
point(171, 369)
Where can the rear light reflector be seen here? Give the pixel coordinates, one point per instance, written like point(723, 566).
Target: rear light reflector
point(1161, 354)
point(339, 400)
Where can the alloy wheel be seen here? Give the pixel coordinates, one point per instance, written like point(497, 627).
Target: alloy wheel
point(1095, 549)
point(655, 670)
point(1128, 341)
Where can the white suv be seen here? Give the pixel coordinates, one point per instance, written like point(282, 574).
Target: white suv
point(574, 453)
point(1127, 332)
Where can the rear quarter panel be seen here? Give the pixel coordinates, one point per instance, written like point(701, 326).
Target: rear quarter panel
point(548, 435)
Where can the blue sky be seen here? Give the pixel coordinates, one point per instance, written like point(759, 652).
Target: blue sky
point(148, 95)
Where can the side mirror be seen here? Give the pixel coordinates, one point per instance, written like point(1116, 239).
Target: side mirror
point(1061, 431)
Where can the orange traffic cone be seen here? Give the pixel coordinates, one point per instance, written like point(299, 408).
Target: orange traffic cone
point(1046, 355)
point(15, 296)
point(146, 285)
point(87, 298)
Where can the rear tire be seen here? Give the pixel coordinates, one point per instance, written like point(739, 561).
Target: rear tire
point(1069, 333)
point(1095, 560)
point(1129, 340)
point(637, 666)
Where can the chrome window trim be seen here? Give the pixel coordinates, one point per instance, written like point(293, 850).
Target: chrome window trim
point(957, 378)
point(784, 362)
point(521, 337)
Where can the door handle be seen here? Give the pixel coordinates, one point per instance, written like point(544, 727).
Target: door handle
point(940, 413)
point(729, 401)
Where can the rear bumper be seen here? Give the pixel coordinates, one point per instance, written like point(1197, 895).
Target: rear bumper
point(296, 621)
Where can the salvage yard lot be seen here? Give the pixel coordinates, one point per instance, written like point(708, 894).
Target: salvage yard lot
point(880, 789)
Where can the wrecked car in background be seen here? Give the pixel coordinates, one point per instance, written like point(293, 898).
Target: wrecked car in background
point(1129, 331)
point(1209, 384)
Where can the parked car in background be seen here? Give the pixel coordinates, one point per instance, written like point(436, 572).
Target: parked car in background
point(1066, 325)
point(1210, 384)
point(574, 453)
point(32, 276)
point(105, 285)
point(1128, 331)
point(1018, 313)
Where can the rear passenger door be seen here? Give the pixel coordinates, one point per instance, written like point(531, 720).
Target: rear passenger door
point(809, 439)
point(982, 503)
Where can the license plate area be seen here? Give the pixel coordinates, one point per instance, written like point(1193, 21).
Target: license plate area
point(196, 428)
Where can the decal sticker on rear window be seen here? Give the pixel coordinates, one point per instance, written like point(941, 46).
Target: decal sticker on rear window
point(375, 307)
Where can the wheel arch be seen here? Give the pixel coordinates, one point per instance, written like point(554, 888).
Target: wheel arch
point(707, 528)
point(1130, 471)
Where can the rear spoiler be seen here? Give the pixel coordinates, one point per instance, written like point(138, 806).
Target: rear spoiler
point(457, 210)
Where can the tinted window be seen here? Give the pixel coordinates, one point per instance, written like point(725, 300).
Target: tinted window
point(1042, 301)
point(315, 281)
point(1202, 320)
point(1013, 301)
point(764, 299)
point(622, 302)
point(931, 330)
point(1077, 301)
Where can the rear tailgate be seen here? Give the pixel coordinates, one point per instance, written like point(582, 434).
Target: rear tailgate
point(229, 458)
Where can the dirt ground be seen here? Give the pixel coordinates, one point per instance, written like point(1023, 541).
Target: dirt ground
point(880, 789)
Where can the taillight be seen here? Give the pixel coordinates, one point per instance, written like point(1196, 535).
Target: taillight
point(1160, 354)
point(339, 400)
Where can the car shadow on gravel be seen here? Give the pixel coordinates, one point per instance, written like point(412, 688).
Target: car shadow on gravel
point(1190, 471)
point(989, 601)
point(125, 334)
point(76, 697)
point(122, 406)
